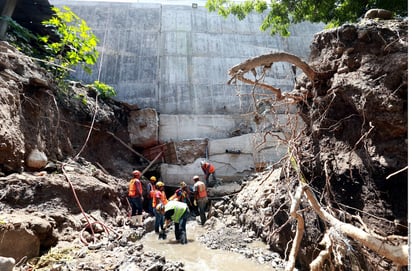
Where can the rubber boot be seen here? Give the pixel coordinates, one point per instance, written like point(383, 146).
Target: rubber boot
point(183, 238)
point(139, 220)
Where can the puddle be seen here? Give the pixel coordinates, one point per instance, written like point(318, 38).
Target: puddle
point(196, 256)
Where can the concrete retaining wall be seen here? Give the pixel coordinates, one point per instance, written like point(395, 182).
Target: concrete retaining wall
point(251, 150)
point(175, 58)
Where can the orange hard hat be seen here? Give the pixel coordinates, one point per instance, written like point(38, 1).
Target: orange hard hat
point(136, 173)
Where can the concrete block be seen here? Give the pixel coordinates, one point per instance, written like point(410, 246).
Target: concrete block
point(143, 128)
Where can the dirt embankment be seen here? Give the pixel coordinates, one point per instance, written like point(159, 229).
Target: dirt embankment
point(352, 151)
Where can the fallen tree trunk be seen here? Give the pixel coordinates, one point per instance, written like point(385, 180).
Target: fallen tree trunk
point(397, 254)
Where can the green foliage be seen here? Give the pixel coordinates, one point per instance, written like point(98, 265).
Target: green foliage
point(73, 44)
point(76, 43)
point(20, 37)
point(282, 13)
point(102, 89)
point(82, 98)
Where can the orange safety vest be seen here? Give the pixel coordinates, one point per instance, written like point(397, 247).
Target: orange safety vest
point(135, 188)
point(201, 190)
point(159, 197)
point(152, 191)
point(178, 197)
point(208, 168)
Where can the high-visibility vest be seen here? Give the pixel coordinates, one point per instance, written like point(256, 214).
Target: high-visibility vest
point(200, 189)
point(135, 188)
point(159, 197)
point(152, 191)
point(208, 168)
point(179, 209)
point(179, 195)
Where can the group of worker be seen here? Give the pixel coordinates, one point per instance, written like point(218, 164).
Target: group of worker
point(175, 209)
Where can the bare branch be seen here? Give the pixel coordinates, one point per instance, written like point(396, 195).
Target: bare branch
point(299, 229)
point(266, 61)
point(397, 254)
point(317, 264)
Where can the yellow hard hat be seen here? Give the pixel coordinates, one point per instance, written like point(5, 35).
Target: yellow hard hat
point(153, 178)
point(159, 184)
point(182, 184)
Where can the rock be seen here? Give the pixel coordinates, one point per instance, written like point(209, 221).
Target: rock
point(129, 267)
point(379, 14)
point(24, 235)
point(36, 159)
point(143, 128)
point(6, 263)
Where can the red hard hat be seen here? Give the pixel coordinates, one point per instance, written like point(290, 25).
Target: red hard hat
point(137, 173)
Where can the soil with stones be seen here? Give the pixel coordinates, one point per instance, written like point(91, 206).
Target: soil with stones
point(72, 210)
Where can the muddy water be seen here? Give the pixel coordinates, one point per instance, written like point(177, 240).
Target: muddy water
point(196, 256)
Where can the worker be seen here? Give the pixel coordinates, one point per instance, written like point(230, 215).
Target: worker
point(178, 212)
point(208, 169)
point(182, 194)
point(201, 200)
point(159, 197)
point(135, 198)
point(151, 187)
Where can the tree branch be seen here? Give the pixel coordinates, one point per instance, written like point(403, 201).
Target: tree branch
point(398, 254)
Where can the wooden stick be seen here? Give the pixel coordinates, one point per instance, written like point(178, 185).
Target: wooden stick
point(127, 146)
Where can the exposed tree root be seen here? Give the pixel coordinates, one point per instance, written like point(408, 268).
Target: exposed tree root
point(300, 227)
point(398, 254)
point(266, 61)
point(334, 242)
point(325, 254)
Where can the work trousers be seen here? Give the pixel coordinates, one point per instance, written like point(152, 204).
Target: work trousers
point(159, 220)
point(180, 228)
point(207, 179)
point(202, 204)
point(136, 204)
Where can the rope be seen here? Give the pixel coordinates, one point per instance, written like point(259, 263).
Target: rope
point(89, 223)
point(90, 130)
point(78, 204)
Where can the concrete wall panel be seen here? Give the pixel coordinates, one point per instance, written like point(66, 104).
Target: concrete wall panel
point(178, 44)
point(175, 59)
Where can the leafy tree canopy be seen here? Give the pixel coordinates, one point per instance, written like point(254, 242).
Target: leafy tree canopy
point(72, 43)
point(76, 43)
point(282, 13)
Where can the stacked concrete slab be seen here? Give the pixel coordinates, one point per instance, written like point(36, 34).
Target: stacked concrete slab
point(175, 57)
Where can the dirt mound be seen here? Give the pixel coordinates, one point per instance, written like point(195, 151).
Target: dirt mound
point(352, 151)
